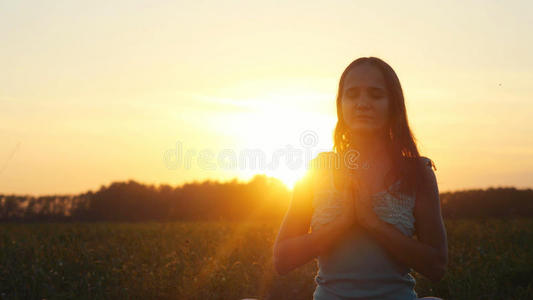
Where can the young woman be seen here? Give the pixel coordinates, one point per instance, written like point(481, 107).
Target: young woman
point(366, 201)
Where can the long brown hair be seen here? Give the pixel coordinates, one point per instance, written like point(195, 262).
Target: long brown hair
point(401, 143)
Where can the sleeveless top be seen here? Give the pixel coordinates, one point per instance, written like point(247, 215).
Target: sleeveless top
point(357, 267)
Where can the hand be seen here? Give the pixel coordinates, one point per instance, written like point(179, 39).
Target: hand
point(364, 211)
point(348, 217)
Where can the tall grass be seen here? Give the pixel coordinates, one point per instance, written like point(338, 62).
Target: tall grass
point(489, 259)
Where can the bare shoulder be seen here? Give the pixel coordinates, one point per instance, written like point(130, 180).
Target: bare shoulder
point(427, 162)
point(313, 173)
point(427, 208)
point(314, 178)
point(429, 187)
point(297, 220)
point(322, 161)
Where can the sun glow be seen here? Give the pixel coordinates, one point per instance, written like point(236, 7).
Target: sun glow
point(281, 127)
point(289, 138)
point(288, 177)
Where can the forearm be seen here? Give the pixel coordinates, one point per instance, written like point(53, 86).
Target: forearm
point(421, 257)
point(294, 252)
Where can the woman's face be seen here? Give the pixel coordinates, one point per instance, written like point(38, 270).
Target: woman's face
point(365, 103)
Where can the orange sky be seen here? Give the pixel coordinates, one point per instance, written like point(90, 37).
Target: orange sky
point(97, 92)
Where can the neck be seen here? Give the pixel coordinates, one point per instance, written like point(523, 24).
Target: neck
point(371, 147)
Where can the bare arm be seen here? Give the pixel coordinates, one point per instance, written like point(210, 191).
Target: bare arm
point(429, 253)
point(294, 246)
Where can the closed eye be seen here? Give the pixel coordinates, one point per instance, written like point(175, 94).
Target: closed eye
point(374, 92)
point(377, 94)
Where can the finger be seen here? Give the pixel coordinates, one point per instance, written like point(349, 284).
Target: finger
point(345, 198)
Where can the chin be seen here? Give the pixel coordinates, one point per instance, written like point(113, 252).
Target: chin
point(363, 129)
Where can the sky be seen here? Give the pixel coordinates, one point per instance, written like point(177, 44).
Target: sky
point(170, 92)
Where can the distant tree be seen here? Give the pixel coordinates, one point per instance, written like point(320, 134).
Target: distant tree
point(261, 198)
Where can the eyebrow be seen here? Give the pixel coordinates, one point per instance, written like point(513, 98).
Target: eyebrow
point(371, 87)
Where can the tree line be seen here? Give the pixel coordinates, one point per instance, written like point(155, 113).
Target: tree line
point(261, 198)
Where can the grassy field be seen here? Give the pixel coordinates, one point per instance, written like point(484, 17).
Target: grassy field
point(488, 260)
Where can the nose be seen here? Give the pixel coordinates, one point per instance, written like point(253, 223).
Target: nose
point(363, 101)
point(362, 104)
